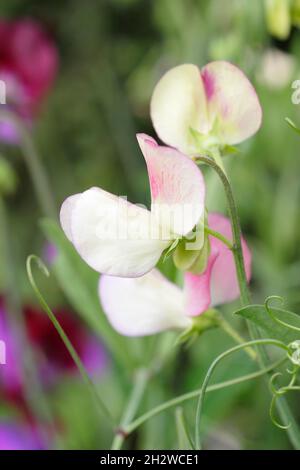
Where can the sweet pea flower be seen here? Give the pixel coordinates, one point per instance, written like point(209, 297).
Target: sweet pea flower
point(151, 304)
point(194, 110)
point(118, 238)
point(16, 436)
point(28, 66)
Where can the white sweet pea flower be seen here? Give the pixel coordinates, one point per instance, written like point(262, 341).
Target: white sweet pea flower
point(118, 238)
point(217, 104)
point(151, 303)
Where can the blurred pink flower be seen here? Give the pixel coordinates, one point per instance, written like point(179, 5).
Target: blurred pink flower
point(151, 304)
point(28, 66)
point(15, 436)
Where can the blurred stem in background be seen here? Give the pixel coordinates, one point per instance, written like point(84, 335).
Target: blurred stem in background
point(282, 405)
point(34, 395)
point(36, 170)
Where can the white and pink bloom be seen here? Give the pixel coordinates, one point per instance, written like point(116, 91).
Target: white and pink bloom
point(118, 238)
point(151, 304)
point(194, 110)
point(28, 66)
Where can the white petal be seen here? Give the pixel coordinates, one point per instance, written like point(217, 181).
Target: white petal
point(177, 186)
point(143, 306)
point(178, 103)
point(113, 236)
point(66, 214)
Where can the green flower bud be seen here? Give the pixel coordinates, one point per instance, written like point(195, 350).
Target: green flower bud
point(296, 13)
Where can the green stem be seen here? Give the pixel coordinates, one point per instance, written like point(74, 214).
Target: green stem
point(282, 405)
point(236, 230)
point(164, 350)
point(220, 237)
point(140, 383)
point(32, 258)
point(225, 325)
point(195, 394)
point(38, 175)
point(272, 342)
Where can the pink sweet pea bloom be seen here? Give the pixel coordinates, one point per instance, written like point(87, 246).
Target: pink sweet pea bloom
point(118, 238)
point(151, 304)
point(218, 102)
point(15, 436)
point(28, 66)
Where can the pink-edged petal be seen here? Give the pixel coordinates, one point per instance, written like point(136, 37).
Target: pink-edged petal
point(113, 236)
point(142, 306)
point(65, 215)
point(197, 289)
point(233, 107)
point(224, 284)
point(178, 104)
point(177, 186)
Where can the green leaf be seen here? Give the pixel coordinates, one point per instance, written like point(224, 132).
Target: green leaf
point(270, 328)
point(80, 285)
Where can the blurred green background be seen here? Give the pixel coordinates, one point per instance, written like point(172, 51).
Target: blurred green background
point(112, 53)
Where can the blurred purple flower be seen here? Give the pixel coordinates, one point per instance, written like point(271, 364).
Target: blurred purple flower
point(14, 436)
point(28, 66)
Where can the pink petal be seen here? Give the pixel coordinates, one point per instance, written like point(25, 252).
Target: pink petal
point(177, 186)
point(233, 105)
point(224, 284)
point(197, 289)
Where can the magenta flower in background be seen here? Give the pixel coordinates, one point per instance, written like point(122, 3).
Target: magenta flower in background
point(151, 304)
point(28, 66)
point(15, 436)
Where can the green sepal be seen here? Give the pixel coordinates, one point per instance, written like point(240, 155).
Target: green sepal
point(200, 263)
point(168, 252)
point(206, 321)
